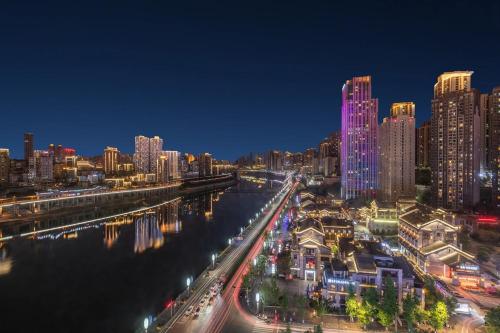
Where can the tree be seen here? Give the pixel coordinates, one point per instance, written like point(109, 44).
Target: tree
point(246, 282)
point(451, 304)
point(371, 301)
point(335, 249)
point(284, 304)
point(270, 293)
point(389, 305)
point(301, 304)
point(384, 318)
point(364, 315)
point(351, 306)
point(260, 266)
point(318, 329)
point(320, 307)
point(284, 262)
point(438, 315)
point(492, 320)
point(410, 307)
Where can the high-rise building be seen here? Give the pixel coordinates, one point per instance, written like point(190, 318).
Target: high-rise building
point(484, 132)
point(396, 140)
point(308, 157)
point(155, 150)
point(423, 145)
point(28, 146)
point(494, 104)
point(4, 165)
point(147, 152)
point(359, 139)
point(274, 160)
point(162, 169)
point(173, 163)
point(43, 163)
point(455, 153)
point(110, 160)
point(205, 165)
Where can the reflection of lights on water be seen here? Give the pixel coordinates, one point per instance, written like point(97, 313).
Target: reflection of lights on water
point(147, 233)
point(5, 262)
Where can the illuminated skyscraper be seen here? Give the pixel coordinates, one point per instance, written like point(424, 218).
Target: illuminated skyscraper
point(423, 145)
point(397, 153)
point(494, 106)
point(4, 165)
point(162, 172)
point(205, 164)
point(173, 163)
point(147, 152)
point(28, 146)
point(359, 139)
point(455, 153)
point(110, 160)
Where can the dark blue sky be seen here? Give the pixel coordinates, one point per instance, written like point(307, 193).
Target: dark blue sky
point(227, 78)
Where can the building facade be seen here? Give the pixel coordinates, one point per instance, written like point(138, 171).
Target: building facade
point(110, 159)
point(359, 139)
point(494, 117)
point(4, 166)
point(423, 145)
point(455, 153)
point(205, 165)
point(397, 153)
point(173, 163)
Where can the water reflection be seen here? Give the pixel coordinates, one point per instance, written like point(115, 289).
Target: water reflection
point(5, 260)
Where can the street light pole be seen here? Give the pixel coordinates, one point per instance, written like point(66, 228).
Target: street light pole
point(257, 299)
point(213, 260)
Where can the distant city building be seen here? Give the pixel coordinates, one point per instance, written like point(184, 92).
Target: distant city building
point(205, 165)
point(28, 146)
point(484, 133)
point(359, 139)
point(308, 157)
point(4, 165)
point(43, 166)
point(110, 160)
point(494, 104)
point(423, 145)
point(274, 160)
point(455, 154)
point(147, 152)
point(396, 139)
point(173, 163)
point(162, 169)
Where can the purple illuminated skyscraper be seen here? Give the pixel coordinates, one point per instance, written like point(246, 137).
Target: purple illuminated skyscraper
point(359, 139)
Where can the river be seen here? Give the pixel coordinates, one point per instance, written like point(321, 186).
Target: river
point(106, 276)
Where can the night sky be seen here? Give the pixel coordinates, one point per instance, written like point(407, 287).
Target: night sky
point(228, 78)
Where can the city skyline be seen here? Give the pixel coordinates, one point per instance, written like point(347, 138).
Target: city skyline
point(215, 67)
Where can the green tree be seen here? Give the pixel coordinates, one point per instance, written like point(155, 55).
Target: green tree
point(384, 318)
point(389, 305)
point(301, 304)
point(270, 292)
point(363, 314)
point(371, 301)
point(335, 249)
point(451, 304)
point(246, 282)
point(492, 320)
point(284, 263)
point(284, 304)
point(410, 307)
point(438, 316)
point(260, 267)
point(320, 307)
point(351, 306)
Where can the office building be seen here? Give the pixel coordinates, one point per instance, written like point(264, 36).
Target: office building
point(155, 150)
point(205, 165)
point(274, 160)
point(455, 153)
point(43, 164)
point(162, 169)
point(359, 139)
point(397, 153)
point(110, 160)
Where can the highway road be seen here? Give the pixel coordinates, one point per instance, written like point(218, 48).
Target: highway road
point(209, 315)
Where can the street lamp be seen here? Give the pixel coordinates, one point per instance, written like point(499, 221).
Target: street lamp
point(146, 324)
point(188, 283)
point(257, 299)
point(229, 241)
point(213, 260)
point(241, 230)
point(255, 261)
